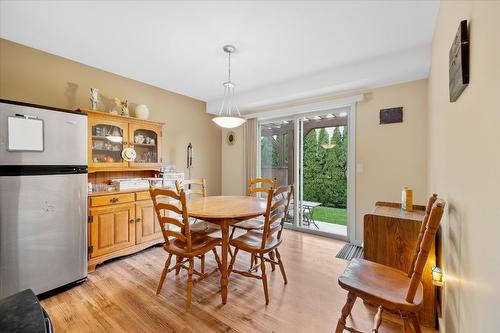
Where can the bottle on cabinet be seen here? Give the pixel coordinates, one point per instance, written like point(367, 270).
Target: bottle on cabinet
point(407, 199)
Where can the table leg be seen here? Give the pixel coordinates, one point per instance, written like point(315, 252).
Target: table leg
point(306, 217)
point(312, 218)
point(224, 252)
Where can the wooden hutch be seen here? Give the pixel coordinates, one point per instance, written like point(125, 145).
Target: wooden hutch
point(121, 222)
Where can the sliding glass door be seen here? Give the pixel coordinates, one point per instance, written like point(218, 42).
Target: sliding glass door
point(323, 169)
point(277, 152)
point(316, 161)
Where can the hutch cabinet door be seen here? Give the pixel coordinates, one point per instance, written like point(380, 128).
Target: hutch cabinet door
point(112, 228)
point(145, 139)
point(147, 227)
point(107, 139)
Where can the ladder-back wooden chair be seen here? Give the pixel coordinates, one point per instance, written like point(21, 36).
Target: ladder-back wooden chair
point(390, 289)
point(198, 187)
point(260, 185)
point(179, 240)
point(200, 190)
point(261, 242)
point(255, 187)
point(194, 188)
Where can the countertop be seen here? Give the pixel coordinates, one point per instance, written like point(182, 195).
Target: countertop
point(416, 215)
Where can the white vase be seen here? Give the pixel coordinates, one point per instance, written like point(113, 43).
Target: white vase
point(142, 111)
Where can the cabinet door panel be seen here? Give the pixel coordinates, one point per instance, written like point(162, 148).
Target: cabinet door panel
point(121, 232)
point(111, 228)
point(107, 139)
point(148, 221)
point(147, 227)
point(105, 223)
point(145, 139)
point(157, 228)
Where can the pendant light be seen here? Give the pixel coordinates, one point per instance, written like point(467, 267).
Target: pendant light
point(229, 115)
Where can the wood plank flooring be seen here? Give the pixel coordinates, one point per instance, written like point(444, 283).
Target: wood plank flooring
point(120, 296)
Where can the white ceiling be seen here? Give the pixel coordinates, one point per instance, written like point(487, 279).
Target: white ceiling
point(286, 49)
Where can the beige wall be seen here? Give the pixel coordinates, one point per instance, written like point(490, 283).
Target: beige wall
point(34, 76)
point(233, 164)
point(392, 156)
point(464, 166)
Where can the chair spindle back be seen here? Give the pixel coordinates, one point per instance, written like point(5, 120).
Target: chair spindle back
point(278, 201)
point(260, 185)
point(424, 248)
point(187, 185)
point(428, 209)
point(172, 203)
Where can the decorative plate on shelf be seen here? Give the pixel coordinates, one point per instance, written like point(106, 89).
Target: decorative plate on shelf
point(129, 154)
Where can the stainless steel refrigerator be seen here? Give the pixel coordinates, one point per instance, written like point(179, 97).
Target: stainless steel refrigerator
point(43, 197)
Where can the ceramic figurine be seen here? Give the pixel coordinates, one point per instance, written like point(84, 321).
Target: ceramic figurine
point(139, 139)
point(94, 97)
point(123, 106)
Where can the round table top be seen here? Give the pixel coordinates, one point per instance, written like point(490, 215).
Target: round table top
point(226, 207)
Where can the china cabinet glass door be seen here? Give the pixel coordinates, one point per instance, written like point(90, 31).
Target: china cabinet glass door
point(108, 139)
point(145, 142)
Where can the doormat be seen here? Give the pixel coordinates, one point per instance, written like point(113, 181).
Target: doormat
point(350, 251)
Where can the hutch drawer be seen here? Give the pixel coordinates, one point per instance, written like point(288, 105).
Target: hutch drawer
point(111, 199)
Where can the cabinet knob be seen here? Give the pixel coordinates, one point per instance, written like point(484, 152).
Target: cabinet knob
point(114, 200)
point(131, 221)
point(138, 219)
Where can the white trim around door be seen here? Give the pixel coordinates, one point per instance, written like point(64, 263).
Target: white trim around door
point(347, 104)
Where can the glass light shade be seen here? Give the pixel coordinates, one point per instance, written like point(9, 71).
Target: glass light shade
point(229, 115)
point(328, 145)
point(229, 122)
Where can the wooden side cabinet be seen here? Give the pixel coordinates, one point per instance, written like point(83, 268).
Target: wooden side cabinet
point(390, 237)
point(120, 223)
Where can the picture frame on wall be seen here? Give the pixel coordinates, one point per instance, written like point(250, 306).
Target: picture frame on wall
point(459, 62)
point(391, 116)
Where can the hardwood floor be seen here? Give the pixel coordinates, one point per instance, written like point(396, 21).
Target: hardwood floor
point(120, 296)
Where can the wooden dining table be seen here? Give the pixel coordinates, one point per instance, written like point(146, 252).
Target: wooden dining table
point(226, 211)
